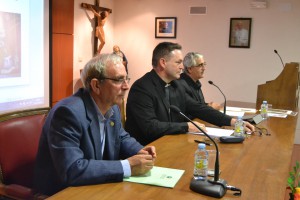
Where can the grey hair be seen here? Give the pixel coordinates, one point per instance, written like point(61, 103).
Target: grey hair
point(96, 68)
point(190, 60)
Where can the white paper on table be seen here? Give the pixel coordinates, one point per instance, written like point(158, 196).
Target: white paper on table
point(234, 113)
point(280, 115)
point(237, 109)
point(215, 132)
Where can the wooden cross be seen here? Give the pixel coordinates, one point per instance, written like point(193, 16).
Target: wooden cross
point(97, 8)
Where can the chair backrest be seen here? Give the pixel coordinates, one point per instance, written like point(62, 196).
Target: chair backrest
point(19, 137)
point(122, 107)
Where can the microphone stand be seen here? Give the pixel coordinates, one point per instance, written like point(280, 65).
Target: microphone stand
point(214, 188)
point(210, 82)
point(279, 57)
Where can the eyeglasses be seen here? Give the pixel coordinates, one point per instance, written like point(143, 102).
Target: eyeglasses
point(201, 65)
point(261, 131)
point(118, 81)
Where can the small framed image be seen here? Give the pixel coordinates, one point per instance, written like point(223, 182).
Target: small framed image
point(165, 27)
point(240, 32)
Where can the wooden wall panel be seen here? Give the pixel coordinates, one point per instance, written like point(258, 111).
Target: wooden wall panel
point(63, 16)
point(62, 66)
point(62, 49)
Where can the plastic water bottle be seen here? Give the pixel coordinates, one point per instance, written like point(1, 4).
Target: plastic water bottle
point(201, 162)
point(239, 127)
point(264, 110)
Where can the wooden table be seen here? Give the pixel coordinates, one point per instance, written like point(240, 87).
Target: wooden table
point(259, 167)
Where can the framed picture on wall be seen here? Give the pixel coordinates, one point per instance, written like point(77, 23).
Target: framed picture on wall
point(165, 27)
point(240, 32)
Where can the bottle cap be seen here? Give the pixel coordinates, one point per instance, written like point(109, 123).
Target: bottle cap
point(201, 146)
point(265, 101)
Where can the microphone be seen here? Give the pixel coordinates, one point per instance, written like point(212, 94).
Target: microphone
point(210, 82)
point(279, 57)
point(214, 188)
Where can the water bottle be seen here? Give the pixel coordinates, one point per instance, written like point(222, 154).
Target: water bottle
point(264, 110)
point(239, 127)
point(201, 162)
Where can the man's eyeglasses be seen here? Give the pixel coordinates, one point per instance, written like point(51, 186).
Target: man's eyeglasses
point(260, 131)
point(118, 81)
point(201, 65)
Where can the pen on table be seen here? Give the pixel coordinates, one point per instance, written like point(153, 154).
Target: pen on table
point(198, 141)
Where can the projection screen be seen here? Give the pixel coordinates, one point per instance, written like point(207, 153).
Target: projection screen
point(24, 54)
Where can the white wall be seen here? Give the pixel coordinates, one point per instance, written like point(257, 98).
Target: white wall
point(236, 71)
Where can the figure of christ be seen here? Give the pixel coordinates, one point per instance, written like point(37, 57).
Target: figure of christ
point(99, 32)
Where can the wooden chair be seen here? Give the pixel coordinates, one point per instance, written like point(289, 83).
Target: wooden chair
point(123, 111)
point(19, 137)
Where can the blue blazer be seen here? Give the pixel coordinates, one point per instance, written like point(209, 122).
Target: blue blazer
point(69, 152)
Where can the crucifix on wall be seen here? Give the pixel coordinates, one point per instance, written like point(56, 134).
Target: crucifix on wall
point(101, 15)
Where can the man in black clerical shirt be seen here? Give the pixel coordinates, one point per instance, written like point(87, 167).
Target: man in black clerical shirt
point(194, 67)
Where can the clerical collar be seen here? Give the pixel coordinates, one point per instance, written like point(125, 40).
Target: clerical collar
point(161, 82)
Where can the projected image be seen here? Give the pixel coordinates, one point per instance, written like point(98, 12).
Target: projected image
point(10, 44)
point(24, 54)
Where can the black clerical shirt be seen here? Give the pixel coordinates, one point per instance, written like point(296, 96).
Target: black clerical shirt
point(195, 87)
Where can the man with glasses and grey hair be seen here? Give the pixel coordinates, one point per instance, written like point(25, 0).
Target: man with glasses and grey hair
point(194, 67)
point(83, 141)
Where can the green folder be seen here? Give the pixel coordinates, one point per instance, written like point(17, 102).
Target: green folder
point(159, 176)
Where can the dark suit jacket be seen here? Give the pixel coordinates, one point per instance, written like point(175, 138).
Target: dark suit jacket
point(69, 152)
point(147, 110)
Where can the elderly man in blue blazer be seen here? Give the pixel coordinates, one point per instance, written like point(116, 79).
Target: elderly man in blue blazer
point(83, 141)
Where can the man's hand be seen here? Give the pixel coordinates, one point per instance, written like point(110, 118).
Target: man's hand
point(149, 150)
point(248, 127)
point(143, 161)
point(84, 5)
point(140, 164)
point(193, 128)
